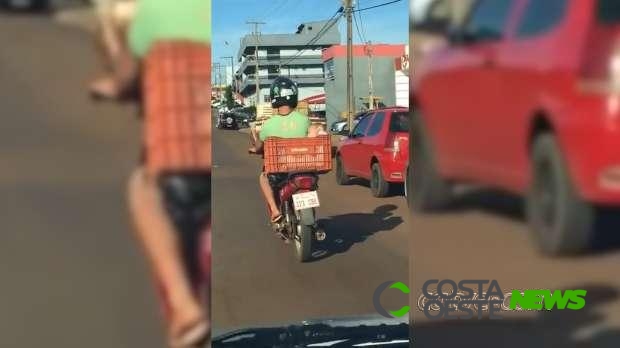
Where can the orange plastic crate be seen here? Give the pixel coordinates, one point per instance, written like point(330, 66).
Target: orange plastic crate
point(177, 106)
point(298, 155)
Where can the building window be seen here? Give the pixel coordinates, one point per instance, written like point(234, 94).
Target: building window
point(329, 70)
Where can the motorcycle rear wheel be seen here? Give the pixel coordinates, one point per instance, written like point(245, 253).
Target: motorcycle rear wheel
point(303, 242)
point(302, 231)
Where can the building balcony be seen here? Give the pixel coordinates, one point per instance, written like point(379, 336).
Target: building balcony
point(248, 65)
point(247, 86)
point(248, 43)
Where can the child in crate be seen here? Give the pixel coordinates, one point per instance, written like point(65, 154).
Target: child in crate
point(315, 130)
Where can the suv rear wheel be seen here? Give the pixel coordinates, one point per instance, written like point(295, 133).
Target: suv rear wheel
point(560, 221)
point(378, 186)
point(428, 190)
point(341, 176)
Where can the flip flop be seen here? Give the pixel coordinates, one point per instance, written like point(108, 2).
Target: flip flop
point(278, 218)
point(193, 337)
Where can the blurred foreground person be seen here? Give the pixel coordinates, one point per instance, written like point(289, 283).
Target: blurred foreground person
point(170, 192)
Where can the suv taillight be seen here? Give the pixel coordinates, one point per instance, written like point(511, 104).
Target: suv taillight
point(394, 144)
point(600, 68)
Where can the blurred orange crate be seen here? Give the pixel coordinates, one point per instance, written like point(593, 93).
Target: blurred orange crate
point(298, 155)
point(177, 106)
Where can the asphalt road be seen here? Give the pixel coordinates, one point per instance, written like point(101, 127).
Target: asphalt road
point(485, 237)
point(71, 274)
point(256, 278)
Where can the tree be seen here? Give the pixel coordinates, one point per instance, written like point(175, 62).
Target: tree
point(230, 99)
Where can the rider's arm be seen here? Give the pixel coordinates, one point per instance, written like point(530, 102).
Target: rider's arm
point(257, 141)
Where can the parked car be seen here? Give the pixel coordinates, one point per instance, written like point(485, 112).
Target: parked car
point(228, 120)
point(26, 4)
point(535, 111)
point(340, 127)
point(431, 24)
point(377, 150)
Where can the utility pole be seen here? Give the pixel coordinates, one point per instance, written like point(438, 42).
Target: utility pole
point(256, 33)
point(371, 98)
point(348, 8)
point(232, 68)
point(215, 77)
point(219, 72)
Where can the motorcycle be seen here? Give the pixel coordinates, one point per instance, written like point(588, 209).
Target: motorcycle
point(297, 196)
point(293, 167)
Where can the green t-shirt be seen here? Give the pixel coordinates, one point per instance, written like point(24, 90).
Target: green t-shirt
point(169, 19)
point(294, 125)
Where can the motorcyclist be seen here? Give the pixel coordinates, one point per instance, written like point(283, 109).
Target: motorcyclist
point(287, 123)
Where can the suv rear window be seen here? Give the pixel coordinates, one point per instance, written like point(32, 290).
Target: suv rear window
point(608, 11)
point(399, 122)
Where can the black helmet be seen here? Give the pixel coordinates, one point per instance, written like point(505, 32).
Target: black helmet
point(283, 91)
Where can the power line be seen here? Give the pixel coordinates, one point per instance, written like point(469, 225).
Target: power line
point(365, 37)
point(328, 25)
point(273, 8)
point(380, 5)
point(359, 33)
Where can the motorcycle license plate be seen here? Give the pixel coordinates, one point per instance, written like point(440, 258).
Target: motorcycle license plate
point(306, 200)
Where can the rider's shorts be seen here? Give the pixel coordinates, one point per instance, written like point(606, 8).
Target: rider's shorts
point(187, 198)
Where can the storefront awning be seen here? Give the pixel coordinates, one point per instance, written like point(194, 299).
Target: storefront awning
point(316, 99)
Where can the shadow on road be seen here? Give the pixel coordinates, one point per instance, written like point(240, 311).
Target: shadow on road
point(395, 189)
point(512, 207)
point(560, 328)
point(343, 231)
point(490, 201)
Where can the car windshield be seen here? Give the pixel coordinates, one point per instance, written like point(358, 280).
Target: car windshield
point(608, 11)
point(399, 122)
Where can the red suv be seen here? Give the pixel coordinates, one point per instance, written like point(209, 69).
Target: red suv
point(377, 150)
point(526, 98)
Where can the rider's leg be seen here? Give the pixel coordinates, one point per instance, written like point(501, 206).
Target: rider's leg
point(187, 198)
point(268, 195)
point(156, 234)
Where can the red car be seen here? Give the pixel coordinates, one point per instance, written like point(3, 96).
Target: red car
point(526, 98)
point(377, 150)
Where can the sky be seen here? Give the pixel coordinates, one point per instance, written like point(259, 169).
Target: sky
point(385, 24)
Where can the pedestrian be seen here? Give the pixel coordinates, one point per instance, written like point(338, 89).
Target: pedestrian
point(169, 192)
